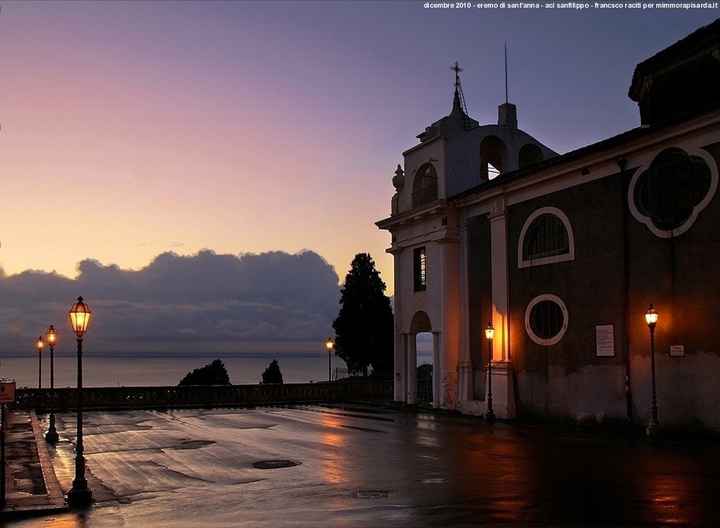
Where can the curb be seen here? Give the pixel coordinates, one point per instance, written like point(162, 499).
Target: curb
point(55, 495)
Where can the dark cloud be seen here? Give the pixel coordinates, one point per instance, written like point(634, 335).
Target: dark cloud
point(178, 303)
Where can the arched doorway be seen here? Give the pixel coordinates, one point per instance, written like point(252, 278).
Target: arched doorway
point(425, 367)
point(422, 361)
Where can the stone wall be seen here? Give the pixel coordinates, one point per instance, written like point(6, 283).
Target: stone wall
point(116, 398)
point(620, 266)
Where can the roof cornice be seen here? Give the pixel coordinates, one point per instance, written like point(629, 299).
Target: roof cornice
point(610, 149)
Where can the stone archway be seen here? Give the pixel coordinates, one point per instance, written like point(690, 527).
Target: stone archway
point(421, 324)
point(529, 154)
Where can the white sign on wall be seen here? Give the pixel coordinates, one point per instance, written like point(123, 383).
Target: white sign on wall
point(605, 340)
point(677, 350)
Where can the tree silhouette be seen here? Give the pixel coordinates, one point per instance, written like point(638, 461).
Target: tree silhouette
point(272, 373)
point(364, 326)
point(213, 373)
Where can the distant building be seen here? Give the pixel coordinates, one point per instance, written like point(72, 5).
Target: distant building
point(564, 253)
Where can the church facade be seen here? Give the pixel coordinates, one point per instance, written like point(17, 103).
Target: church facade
point(563, 255)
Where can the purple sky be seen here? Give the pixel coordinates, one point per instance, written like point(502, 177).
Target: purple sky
point(129, 129)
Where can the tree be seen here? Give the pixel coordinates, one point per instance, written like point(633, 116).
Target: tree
point(272, 373)
point(364, 326)
point(213, 373)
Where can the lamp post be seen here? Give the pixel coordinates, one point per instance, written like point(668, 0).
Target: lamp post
point(39, 346)
point(79, 495)
point(651, 318)
point(329, 345)
point(489, 334)
point(51, 436)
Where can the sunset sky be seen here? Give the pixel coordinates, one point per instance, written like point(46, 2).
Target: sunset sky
point(130, 129)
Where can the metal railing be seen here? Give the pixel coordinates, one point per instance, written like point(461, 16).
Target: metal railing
point(112, 398)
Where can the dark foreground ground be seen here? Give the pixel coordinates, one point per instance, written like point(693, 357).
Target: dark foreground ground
point(364, 466)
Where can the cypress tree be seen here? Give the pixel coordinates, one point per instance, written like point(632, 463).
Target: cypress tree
point(364, 326)
point(272, 373)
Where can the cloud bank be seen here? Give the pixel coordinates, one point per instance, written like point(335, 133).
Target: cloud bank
point(204, 303)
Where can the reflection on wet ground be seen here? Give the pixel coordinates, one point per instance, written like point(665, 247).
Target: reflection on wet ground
point(362, 466)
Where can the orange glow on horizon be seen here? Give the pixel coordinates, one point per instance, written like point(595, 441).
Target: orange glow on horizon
point(102, 133)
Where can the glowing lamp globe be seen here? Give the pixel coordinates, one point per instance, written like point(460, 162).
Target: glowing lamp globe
point(489, 331)
point(80, 317)
point(51, 335)
point(329, 344)
point(651, 316)
point(39, 344)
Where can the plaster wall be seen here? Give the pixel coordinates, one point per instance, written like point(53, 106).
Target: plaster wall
point(568, 379)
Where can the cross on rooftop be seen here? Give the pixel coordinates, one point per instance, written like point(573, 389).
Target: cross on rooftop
point(457, 69)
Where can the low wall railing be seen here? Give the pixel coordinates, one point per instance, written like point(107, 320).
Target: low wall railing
point(115, 398)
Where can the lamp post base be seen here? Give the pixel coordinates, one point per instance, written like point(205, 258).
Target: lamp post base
point(490, 416)
point(51, 436)
point(79, 496)
point(652, 428)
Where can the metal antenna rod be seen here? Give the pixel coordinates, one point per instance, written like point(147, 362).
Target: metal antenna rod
point(506, 77)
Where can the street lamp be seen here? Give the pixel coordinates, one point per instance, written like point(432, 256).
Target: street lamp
point(39, 346)
point(79, 495)
point(51, 436)
point(329, 345)
point(651, 318)
point(489, 334)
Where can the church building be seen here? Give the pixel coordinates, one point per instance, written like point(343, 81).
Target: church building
point(563, 255)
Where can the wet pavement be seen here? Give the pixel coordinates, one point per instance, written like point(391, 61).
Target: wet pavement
point(366, 466)
point(31, 486)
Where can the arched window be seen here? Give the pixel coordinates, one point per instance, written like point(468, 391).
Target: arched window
point(529, 155)
point(492, 157)
point(425, 185)
point(546, 319)
point(546, 238)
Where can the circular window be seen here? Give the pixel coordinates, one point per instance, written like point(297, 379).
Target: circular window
point(546, 319)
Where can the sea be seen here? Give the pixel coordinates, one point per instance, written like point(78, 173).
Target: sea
point(299, 363)
point(144, 371)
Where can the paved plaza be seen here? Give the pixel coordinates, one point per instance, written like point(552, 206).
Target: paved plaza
point(354, 465)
